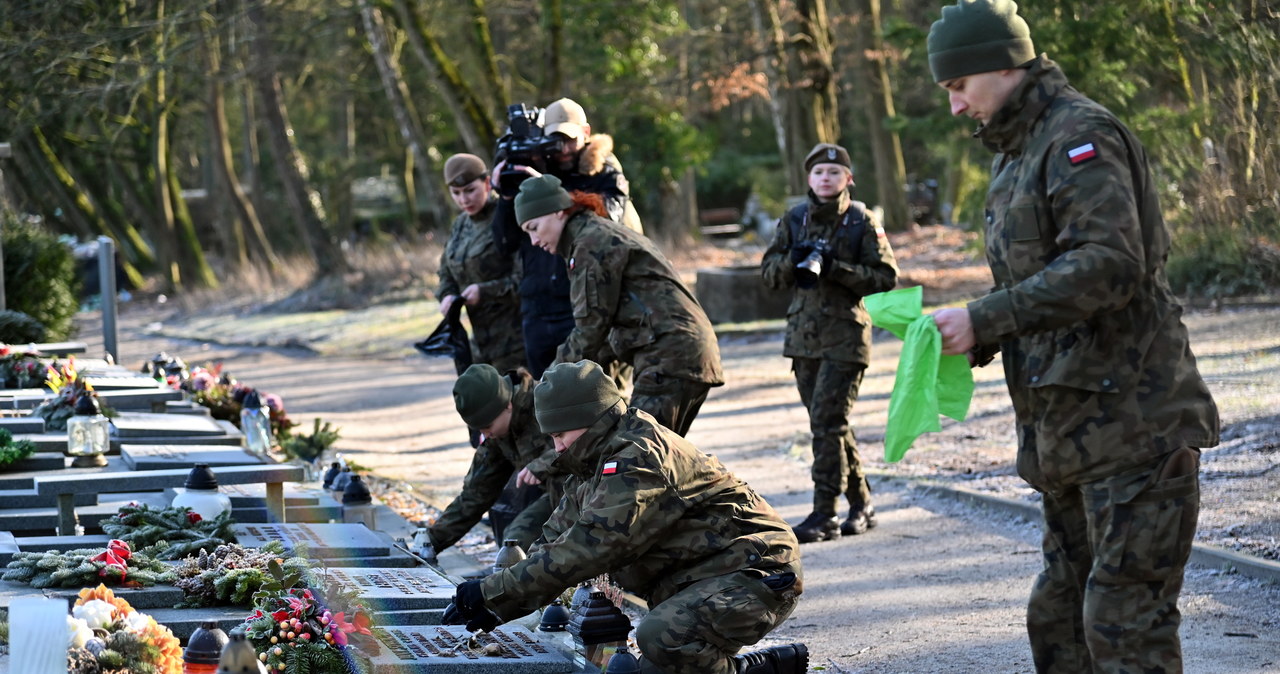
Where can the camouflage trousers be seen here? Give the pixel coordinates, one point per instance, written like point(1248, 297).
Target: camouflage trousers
point(1114, 554)
point(700, 628)
point(673, 401)
point(526, 527)
point(828, 389)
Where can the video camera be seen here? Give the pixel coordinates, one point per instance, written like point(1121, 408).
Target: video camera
point(524, 144)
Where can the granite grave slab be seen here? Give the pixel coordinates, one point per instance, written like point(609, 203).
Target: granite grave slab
point(123, 382)
point(389, 590)
point(25, 424)
point(159, 457)
point(415, 649)
point(145, 425)
point(142, 598)
point(322, 541)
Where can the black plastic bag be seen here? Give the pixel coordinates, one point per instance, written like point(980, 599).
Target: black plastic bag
point(449, 339)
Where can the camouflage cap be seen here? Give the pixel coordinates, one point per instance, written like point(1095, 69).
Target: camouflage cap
point(461, 169)
point(567, 117)
point(480, 394)
point(572, 396)
point(827, 153)
point(540, 196)
point(978, 36)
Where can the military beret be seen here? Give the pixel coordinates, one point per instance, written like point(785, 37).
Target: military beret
point(827, 153)
point(978, 36)
point(572, 396)
point(540, 196)
point(461, 169)
point(480, 394)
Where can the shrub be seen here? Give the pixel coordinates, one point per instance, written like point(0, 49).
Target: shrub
point(39, 276)
point(19, 328)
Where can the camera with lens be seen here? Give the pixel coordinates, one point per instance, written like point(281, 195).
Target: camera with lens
point(524, 144)
point(810, 268)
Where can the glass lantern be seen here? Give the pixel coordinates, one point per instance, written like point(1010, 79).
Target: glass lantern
point(255, 423)
point(357, 503)
point(88, 434)
point(200, 494)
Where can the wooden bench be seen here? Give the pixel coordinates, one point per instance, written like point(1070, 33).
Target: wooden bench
point(65, 487)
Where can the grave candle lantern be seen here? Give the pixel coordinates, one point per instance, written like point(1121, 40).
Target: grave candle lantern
point(255, 423)
point(88, 434)
point(357, 503)
point(599, 629)
point(200, 494)
point(204, 649)
point(508, 554)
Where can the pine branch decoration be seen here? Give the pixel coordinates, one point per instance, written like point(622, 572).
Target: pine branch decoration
point(184, 531)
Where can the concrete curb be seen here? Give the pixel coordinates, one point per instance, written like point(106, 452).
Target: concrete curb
point(1201, 554)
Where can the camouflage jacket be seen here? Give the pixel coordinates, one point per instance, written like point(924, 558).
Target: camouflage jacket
point(471, 256)
point(1096, 356)
point(829, 320)
point(630, 304)
point(647, 507)
point(598, 171)
point(495, 460)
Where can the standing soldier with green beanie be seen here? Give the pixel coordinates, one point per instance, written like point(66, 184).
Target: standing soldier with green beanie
point(475, 271)
point(501, 408)
point(1111, 410)
point(629, 304)
point(831, 252)
point(718, 567)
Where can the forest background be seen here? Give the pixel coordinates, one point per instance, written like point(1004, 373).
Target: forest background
point(209, 138)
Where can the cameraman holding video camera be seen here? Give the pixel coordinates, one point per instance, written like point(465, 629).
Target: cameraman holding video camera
point(831, 252)
point(556, 141)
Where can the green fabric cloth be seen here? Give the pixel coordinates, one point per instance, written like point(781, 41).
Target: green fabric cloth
point(928, 383)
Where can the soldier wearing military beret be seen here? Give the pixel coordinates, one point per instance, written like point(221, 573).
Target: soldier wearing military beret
point(1111, 410)
point(830, 252)
point(718, 567)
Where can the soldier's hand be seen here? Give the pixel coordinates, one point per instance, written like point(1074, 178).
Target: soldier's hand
point(468, 605)
point(526, 478)
point(446, 303)
point(956, 328)
point(471, 294)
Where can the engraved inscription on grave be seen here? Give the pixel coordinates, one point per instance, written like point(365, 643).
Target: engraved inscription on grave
point(398, 589)
point(509, 648)
point(321, 540)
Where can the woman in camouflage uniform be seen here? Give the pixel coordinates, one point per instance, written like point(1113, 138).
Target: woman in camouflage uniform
point(828, 330)
point(629, 304)
point(473, 270)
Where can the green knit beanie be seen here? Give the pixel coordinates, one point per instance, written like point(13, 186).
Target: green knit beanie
point(480, 394)
point(540, 196)
point(572, 396)
point(978, 36)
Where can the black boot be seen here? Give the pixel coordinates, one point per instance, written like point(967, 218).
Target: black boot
point(786, 659)
point(817, 527)
point(859, 521)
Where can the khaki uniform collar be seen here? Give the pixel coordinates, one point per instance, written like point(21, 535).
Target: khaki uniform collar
point(1008, 129)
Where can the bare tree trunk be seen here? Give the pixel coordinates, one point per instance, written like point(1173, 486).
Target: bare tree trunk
point(305, 205)
point(553, 45)
point(769, 26)
point(489, 58)
point(473, 122)
point(816, 86)
point(886, 147)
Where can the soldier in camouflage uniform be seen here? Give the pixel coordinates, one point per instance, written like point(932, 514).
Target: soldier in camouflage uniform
point(1110, 407)
point(500, 407)
point(718, 567)
point(828, 330)
point(474, 270)
point(628, 303)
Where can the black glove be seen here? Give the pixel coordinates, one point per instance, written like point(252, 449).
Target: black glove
point(800, 251)
point(468, 605)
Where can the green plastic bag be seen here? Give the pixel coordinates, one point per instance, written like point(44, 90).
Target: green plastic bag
point(927, 383)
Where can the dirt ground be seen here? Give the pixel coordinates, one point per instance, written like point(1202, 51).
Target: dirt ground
point(938, 587)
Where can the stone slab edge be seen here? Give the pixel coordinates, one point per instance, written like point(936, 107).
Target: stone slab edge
point(1204, 555)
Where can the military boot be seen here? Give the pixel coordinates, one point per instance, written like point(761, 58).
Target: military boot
point(817, 527)
point(859, 521)
point(785, 659)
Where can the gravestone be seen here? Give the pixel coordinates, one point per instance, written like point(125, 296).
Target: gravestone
point(141, 598)
point(398, 589)
point(415, 649)
point(27, 424)
point(322, 541)
point(145, 425)
point(124, 383)
point(157, 457)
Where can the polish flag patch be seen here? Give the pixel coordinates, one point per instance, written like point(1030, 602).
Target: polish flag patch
point(1082, 154)
point(572, 262)
point(610, 468)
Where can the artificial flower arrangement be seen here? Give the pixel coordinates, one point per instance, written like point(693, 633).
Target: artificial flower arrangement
point(21, 367)
point(67, 388)
point(298, 630)
point(13, 451)
point(168, 533)
point(232, 574)
point(105, 634)
point(224, 396)
point(118, 564)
